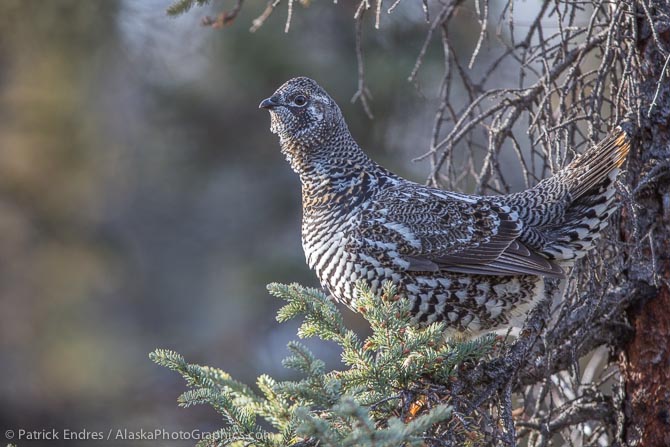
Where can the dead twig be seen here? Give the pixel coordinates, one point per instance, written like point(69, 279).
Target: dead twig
point(362, 94)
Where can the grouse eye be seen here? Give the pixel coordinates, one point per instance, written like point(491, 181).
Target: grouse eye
point(300, 100)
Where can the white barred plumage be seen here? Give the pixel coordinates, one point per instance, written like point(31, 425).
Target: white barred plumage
point(475, 262)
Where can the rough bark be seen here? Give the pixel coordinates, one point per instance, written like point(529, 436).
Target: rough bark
point(645, 359)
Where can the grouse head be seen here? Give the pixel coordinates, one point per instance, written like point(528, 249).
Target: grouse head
point(302, 114)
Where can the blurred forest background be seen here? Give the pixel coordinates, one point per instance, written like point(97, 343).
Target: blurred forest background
point(144, 202)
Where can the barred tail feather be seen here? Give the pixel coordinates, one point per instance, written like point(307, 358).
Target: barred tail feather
point(592, 168)
point(590, 180)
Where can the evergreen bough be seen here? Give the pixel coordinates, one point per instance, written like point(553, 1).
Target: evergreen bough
point(396, 390)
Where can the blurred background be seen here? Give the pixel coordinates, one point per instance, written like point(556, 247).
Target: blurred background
point(144, 202)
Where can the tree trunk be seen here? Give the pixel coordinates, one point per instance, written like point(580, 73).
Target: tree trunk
point(645, 360)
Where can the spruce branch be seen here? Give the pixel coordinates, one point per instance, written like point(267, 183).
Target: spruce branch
point(183, 6)
point(395, 389)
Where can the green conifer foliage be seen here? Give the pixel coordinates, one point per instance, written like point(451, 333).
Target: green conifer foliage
point(396, 388)
point(183, 6)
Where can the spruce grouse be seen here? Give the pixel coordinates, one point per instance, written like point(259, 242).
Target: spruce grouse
point(475, 262)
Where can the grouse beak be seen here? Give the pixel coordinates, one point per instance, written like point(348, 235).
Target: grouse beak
point(268, 103)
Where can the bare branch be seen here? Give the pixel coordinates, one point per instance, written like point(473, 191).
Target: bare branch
point(225, 18)
point(658, 85)
point(260, 20)
point(362, 94)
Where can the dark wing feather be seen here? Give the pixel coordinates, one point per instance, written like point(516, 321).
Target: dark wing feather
point(434, 231)
point(511, 264)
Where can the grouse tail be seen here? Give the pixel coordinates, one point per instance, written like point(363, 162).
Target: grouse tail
point(587, 173)
point(591, 193)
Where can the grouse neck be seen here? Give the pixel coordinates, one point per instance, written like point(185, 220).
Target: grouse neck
point(334, 162)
